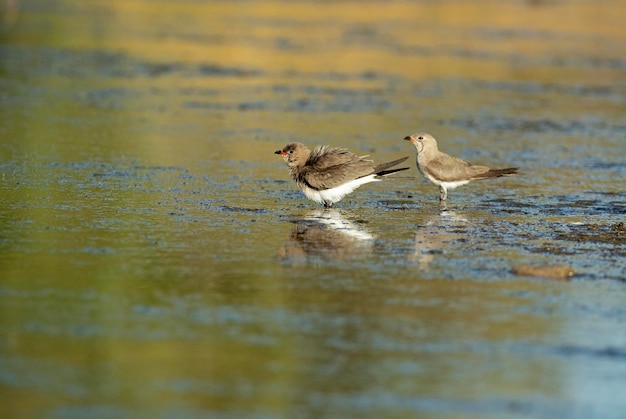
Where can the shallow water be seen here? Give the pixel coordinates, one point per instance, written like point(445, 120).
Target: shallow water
point(156, 260)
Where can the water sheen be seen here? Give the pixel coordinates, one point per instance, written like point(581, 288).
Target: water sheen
point(157, 261)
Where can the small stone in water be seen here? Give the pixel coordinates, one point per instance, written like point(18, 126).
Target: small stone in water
point(558, 271)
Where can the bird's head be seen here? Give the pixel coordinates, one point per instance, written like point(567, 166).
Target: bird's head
point(294, 154)
point(422, 141)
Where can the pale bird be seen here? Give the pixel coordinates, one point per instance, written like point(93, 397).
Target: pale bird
point(446, 171)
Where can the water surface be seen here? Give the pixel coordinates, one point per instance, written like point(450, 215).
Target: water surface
point(157, 261)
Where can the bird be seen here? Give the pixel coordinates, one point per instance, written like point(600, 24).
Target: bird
point(446, 171)
point(327, 174)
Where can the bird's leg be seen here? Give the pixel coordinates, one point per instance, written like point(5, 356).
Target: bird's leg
point(443, 193)
point(328, 204)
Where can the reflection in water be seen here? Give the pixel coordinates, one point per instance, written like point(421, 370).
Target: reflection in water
point(438, 232)
point(325, 235)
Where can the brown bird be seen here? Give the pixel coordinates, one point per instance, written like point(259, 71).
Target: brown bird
point(446, 171)
point(327, 174)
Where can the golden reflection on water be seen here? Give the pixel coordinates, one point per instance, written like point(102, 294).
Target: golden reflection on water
point(290, 44)
point(458, 38)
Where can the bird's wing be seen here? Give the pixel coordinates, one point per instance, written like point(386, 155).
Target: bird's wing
point(450, 169)
point(328, 168)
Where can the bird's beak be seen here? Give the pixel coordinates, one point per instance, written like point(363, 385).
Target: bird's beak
point(408, 138)
point(279, 152)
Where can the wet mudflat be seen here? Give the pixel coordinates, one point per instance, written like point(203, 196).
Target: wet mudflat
point(156, 260)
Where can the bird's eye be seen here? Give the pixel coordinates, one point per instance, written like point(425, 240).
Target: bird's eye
point(420, 138)
point(290, 152)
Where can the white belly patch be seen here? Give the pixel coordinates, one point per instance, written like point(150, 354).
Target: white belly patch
point(447, 185)
point(336, 194)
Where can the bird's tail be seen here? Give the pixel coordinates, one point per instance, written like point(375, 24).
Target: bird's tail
point(381, 169)
point(390, 172)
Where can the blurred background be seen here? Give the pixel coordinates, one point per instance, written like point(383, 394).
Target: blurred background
point(157, 261)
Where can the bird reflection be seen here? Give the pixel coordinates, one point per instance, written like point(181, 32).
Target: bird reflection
point(438, 232)
point(323, 236)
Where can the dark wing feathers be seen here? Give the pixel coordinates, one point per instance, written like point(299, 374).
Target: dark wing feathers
point(499, 172)
point(384, 166)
